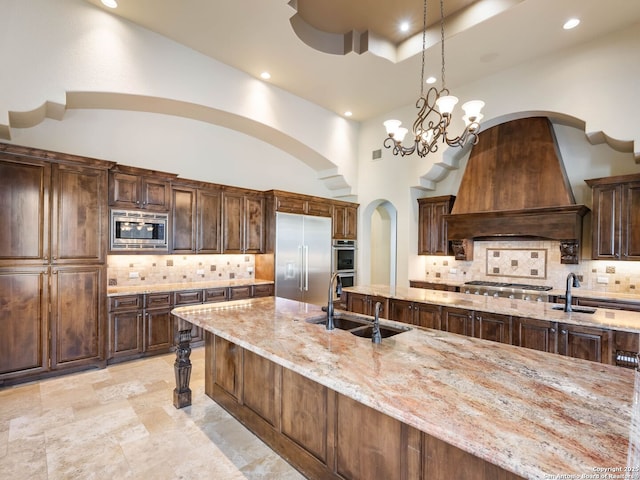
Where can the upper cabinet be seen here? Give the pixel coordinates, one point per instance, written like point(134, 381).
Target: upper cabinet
point(345, 221)
point(432, 228)
point(615, 225)
point(132, 188)
point(243, 222)
point(196, 214)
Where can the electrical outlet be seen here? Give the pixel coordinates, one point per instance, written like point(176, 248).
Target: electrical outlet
point(453, 271)
point(604, 280)
point(249, 269)
point(134, 275)
point(200, 271)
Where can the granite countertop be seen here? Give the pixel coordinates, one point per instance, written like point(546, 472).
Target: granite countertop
point(534, 414)
point(174, 287)
point(622, 320)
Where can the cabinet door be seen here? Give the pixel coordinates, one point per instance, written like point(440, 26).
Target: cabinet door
point(77, 298)
point(631, 222)
point(79, 215)
point(345, 222)
point(24, 212)
point(228, 366)
point(401, 311)
point(606, 221)
point(535, 334)
point(124, 190)
point(432, 229)
point(183, 219)
point(23, 321)
point(209, 239)
point(158, 330)
point(587, 343)
point(358, 303)
point(233, 221)
point(300, 396)
point(457, 320)
point(260, 381)
point(254, 225)
point(428, 316)
point(125, 334)
point(155, 194)
point(492, 326)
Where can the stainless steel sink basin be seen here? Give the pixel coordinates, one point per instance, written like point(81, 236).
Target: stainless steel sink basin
point(575, 309)
point(358, 325)
point(385, 332)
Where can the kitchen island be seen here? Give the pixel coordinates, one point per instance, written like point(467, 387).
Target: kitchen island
point(422, 404)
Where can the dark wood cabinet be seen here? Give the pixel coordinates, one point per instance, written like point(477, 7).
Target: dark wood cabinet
point(433, 286)
point(25, 215)
point(365, 304)
point(302, 204)
point(24, 342)
point(196, 219)
point(134, 188)
point(125, 326)
point(228, 366)
point(260, 379)
point(457, 320)
point(414, 313)
point(52, 256)
point(586, 343)
point(432, 228)
point(536, 334)
point(615, 225)
point(345, 222)
point(243, 223)
point(492, 326)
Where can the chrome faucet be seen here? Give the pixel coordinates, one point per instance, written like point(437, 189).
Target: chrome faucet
point(329, 323)
point(375, 334)
point(576, 284)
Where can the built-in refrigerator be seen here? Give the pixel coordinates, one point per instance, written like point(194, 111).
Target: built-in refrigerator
point(303, 257)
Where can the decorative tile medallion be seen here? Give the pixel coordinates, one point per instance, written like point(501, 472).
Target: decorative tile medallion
point(517, 262)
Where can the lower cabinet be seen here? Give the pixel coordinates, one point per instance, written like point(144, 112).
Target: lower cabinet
point(324, 434)
point(414, 313)
point(492, 326)
point(52, 319)
point(457, 320)
point(587, 343)
point(365, 304)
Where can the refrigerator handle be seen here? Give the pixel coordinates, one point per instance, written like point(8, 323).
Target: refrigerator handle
point(302, 269)
point(306, 268)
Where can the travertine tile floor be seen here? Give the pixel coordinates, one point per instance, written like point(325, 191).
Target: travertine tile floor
point(120, 423)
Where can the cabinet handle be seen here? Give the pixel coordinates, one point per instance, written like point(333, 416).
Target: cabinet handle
point(553, 330)
point(564, 332)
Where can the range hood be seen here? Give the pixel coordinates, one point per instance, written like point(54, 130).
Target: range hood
point(515, 186)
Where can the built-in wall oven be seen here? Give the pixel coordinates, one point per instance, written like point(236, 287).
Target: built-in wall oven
point(344, 263)
point(135, 230)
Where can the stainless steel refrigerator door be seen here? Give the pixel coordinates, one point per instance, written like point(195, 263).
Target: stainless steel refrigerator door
point(317, 259)
point(289, 256)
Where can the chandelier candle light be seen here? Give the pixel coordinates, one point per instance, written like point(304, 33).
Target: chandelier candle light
point(434, 115)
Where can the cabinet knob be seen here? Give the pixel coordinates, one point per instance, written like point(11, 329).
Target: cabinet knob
point(552, 330)
point(564, 332)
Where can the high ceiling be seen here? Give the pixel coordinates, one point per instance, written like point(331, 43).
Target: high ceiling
point(349, 55)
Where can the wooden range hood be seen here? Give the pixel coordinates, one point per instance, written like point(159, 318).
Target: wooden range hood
point(515, 186)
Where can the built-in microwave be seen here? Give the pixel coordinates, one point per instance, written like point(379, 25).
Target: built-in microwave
point(135, 230)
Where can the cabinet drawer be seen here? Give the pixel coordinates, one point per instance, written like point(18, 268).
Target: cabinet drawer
point(122, 303)
point(320, 209)
point(290, 205)
point(238, 293)
point(155, 300)
point(187, 297)
point(215, 294)
point(265, 290)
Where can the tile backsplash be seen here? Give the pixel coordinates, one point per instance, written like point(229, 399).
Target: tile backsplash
point(534, 262)
point(134, 270)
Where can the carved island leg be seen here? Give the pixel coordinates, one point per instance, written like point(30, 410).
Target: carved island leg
point(182, 367)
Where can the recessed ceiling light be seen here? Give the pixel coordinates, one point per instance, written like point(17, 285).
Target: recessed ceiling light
point(110, 3)
point(265, 75)
point(348, 113)
point(404, 27)
point(430, 80)
point(571, 23)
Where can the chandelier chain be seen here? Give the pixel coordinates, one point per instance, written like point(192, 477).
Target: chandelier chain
point(424, 46)
point(442, 38)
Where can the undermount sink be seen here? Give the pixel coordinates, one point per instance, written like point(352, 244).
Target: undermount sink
point(575, 309)
point(385, 332)
point(358, 325)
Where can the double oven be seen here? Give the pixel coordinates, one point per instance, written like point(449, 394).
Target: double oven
point(343, 262)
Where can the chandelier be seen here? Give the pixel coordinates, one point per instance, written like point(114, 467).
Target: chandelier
point(434, 112)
